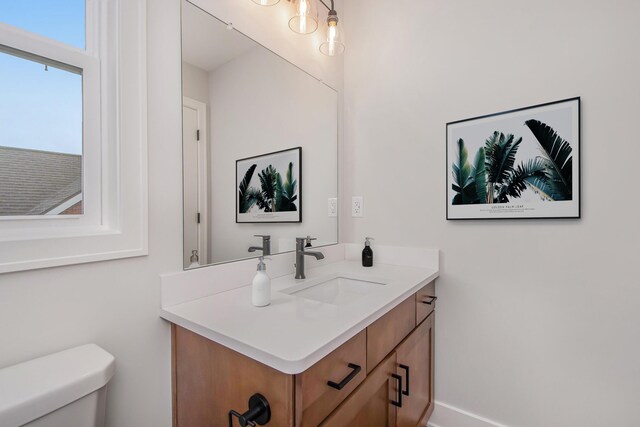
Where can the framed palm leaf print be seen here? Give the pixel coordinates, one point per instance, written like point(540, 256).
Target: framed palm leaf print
point(518, 164)
point(268, 187)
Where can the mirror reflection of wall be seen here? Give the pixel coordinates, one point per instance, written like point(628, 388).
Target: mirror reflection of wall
point(243, 101)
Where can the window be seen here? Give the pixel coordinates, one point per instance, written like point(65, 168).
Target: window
point(40, 137)
point(72, 141)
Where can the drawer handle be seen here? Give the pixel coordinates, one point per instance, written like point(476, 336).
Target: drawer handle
point(406, 368)
point(398, 403)
point(431, 301)
point(342, 384)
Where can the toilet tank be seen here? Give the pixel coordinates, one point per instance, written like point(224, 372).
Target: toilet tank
point(66, 389)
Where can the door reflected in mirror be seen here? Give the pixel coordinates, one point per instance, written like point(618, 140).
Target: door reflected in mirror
point(260, 149)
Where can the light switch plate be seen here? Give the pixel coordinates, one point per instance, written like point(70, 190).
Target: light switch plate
point(357, 206)
point(333, 207)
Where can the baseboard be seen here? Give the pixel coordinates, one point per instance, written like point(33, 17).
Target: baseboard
point(445, 415)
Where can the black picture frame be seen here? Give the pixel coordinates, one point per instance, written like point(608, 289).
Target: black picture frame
point(259, 216)
point(560, 201)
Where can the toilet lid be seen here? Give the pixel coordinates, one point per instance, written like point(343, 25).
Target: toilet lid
point(32, 389)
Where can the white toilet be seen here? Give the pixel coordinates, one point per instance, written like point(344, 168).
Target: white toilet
point(65, 389)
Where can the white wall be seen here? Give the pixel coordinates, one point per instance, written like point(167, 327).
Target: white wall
point(285, 108)
point(537, 321)
point(195, 83)
point(115, 304)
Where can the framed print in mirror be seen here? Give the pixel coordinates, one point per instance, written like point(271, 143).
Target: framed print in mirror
point(518, 164)
point(269, 187)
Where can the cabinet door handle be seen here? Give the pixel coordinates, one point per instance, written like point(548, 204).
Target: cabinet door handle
point(339, 386)
point(398, 402)
point(406, 368)
point(431, 301)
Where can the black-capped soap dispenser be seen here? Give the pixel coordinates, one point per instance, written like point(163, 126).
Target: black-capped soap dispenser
point(367, 253)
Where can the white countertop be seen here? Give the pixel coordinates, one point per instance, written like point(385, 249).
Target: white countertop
point(293, 333)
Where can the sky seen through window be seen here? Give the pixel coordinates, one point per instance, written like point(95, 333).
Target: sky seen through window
point(40, 109)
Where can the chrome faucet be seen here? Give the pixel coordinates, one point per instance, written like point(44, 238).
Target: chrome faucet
point(266, 245)
point(301, 253)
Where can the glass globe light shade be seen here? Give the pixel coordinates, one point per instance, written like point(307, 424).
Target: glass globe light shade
point(266, 2)
point(334, 42)
point(304, 16)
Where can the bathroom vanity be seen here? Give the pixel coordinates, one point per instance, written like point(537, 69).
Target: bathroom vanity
point(348, 346)
point(383, 376)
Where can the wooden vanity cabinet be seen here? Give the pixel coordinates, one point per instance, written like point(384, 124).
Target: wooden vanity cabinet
point(386, 333)
point(382, 377)
point(370, 405)
point(209, 380)
point(425, 302)
point(315, 399)
point(399, 391)
point(415, 363)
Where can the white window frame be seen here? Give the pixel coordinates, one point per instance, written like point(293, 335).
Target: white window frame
point(114, 189)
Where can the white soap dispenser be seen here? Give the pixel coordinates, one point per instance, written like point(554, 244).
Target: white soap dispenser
point(261, 286)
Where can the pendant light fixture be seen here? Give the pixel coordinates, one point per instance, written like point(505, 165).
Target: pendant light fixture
point(334, 44)
point(266, 2)
point(304, 16)
point(304, 20)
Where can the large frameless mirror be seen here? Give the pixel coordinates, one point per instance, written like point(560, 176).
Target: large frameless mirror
point(260, 148)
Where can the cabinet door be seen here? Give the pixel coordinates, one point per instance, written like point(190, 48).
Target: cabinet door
point(415, 364)
point(387, 332)
point(370, 404)
point(209, 380)
point(315, 399)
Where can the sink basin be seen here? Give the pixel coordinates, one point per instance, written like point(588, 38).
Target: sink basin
point(337, 290)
